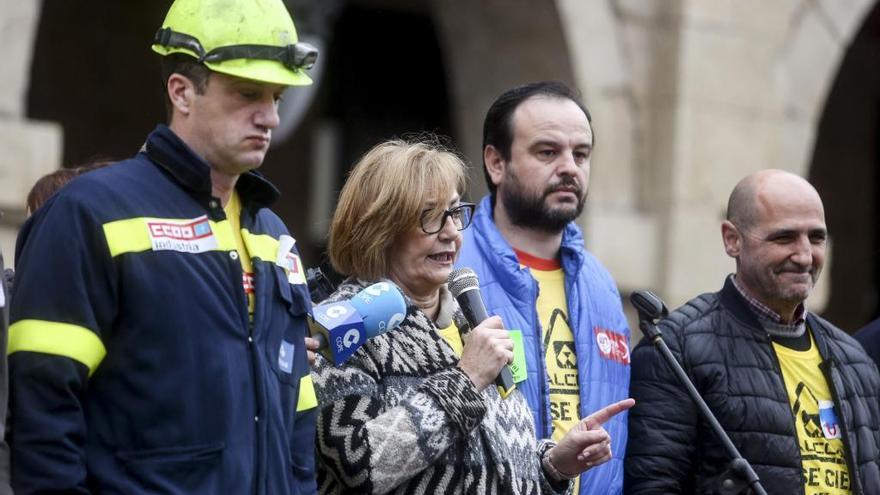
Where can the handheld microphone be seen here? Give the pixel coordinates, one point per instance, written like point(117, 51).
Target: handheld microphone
point(465, 287)
point(342, 327)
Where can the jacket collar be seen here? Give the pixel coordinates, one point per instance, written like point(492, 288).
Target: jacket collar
point(734, 302)
point(571, 249)
point(193, 173)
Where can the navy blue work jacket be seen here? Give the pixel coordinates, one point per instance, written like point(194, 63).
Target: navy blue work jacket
point(135, 367)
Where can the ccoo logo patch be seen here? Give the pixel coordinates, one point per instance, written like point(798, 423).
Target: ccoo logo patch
point(185, 236)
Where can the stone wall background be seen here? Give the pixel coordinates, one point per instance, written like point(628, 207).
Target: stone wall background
point(693, 95)
point(28, 148)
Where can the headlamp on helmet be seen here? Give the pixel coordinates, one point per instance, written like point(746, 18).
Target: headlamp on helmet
point(298, 56)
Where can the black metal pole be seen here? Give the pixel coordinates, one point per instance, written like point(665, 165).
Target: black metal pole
point(740, 473)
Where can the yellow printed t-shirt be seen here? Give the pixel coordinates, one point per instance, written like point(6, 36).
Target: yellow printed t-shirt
point(446, 326)
point(452, 337)
point(816, 421)
point(552, 309)
point(233, 215)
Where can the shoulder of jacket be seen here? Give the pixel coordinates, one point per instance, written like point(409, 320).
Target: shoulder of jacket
point(271, 222)
point(118, 183)
point(849, 345)
point(692, 313)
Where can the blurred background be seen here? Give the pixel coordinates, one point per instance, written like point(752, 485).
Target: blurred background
point(687, 97)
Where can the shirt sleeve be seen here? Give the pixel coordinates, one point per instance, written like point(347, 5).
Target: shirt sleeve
point(662, 425)
point(5, 487)
point(303, 453)
point(302, 434)
point(64, 297)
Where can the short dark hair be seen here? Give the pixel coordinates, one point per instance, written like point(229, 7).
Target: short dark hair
point(498, 125)
point(187, 66)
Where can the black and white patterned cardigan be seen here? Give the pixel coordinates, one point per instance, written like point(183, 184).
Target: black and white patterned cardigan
point(400, 417)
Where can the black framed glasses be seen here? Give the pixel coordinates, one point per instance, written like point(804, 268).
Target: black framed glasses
point(433, 220)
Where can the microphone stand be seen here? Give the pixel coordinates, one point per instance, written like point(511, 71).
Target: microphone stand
point(739, 478)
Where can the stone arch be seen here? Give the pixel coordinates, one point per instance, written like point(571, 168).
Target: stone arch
point(31, 148)
point(810, 57)
point(695, 96)
point(843, 166)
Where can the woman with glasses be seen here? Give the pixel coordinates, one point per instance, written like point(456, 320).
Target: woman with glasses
point(414, 409)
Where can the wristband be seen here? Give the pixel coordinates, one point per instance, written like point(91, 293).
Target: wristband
point(550, 468)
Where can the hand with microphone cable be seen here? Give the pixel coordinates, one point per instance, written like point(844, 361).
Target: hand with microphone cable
point(492, 348)
point(487, 350)
point(312, 347)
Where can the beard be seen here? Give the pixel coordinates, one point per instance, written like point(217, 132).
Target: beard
point(770, 289)
point(532, 212)
point(794, 293)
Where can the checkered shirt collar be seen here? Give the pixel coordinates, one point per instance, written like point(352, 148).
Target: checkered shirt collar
point(768, 315)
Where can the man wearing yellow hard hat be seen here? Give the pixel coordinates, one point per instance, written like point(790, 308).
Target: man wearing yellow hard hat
point(157, 329)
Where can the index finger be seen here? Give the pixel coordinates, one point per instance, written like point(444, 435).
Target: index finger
point(311, 344)
point(494, 321)
point(603, 415)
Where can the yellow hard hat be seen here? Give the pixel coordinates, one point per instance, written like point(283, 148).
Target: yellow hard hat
point(253, 39)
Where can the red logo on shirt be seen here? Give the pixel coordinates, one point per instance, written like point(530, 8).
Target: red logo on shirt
point(612, 345)
point(247, 281)
point(199, 228)
point(293, 263)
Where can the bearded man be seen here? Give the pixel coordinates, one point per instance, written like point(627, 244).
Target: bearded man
point(561, 304)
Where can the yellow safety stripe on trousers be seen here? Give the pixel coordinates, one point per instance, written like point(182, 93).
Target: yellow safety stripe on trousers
point(60, 339)
point(260, 246)
point(307, 398)
point(132, 235)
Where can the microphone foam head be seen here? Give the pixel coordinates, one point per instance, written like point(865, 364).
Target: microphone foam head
point(381, 306)
point(462, 280)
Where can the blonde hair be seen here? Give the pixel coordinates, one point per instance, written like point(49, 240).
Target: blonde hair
point(383, 199)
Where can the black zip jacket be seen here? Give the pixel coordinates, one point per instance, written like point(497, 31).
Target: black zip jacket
point(730, 358)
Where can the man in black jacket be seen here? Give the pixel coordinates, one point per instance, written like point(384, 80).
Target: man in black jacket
point(798, 397)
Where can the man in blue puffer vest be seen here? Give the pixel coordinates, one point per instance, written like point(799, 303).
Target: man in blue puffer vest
point(535, 273)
